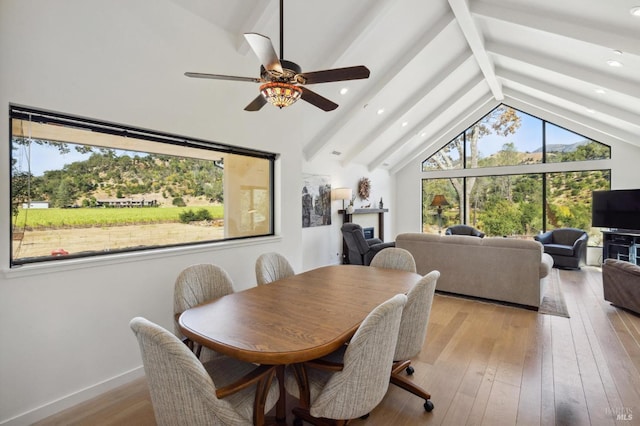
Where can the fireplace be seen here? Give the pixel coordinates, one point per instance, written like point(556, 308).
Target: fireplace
point(368, 232)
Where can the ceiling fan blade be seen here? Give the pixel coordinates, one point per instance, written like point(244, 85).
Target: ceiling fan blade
point(221, 77)
point(320, 101)
point(336, 74)
point(263, 48)
point(256, 104)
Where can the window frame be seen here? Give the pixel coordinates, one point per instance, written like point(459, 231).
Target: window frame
point(61, 119)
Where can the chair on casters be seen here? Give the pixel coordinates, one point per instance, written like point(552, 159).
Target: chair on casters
point(184, 391)
point(361, 250)
point(412, 335)
point(271, 267)
point(332, 393)
point(394, 258)
point(195, 285)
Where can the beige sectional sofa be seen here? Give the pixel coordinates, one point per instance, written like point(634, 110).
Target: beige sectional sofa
point(504, 269)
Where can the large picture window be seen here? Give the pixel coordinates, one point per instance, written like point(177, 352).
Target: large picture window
point(81, 187)
point(519, 205)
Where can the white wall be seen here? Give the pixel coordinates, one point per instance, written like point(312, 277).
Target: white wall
point(323, 244)
point(64, 328)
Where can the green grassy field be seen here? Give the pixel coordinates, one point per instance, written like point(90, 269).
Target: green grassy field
point(85, 217)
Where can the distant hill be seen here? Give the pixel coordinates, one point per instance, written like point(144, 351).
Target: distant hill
point(163, 179)
point(562, 148)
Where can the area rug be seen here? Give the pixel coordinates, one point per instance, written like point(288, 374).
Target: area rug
point(553, 302)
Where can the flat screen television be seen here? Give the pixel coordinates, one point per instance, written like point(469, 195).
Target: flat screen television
point(619, 209)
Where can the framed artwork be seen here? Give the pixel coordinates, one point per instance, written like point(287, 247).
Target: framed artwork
point(316, 200)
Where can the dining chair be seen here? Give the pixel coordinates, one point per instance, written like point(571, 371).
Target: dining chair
point(412, 334)
point(271, 267)
point(336, 393)
point(195, 285)
point(185, 391)
point(394, 258)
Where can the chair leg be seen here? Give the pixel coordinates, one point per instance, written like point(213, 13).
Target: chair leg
point(408, 385)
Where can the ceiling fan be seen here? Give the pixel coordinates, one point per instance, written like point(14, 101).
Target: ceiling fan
point(283, 82)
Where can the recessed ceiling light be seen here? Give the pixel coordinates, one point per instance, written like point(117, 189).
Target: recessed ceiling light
point(423, 134)
point(600, 91)
point(635, 11)
point(405, 123)
point(617, 52)
point(591, 110)
point(380, 111)
point(344, 90)
point(614, 63)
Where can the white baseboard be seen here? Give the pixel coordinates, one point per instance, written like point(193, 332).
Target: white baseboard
point(39, 413)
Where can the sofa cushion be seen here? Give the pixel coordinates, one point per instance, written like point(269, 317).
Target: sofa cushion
point(559, 249)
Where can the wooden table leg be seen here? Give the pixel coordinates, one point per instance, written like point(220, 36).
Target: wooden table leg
point(281, 405)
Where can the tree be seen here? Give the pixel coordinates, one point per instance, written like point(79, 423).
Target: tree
point(503, 120)
point(64, 194)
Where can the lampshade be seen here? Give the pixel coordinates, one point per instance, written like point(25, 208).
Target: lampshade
point(439, 200)
point(280, 94)
point(342, 194)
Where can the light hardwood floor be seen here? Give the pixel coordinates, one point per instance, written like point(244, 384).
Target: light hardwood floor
point(486, 364)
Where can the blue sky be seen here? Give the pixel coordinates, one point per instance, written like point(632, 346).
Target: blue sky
point(528, 137)
point(45, 157)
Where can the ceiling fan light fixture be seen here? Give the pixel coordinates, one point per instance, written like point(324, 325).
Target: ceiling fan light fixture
point(281, 94)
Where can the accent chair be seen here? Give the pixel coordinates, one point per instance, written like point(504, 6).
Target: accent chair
point(361, 250)
point(567, 247)
point(464, 230)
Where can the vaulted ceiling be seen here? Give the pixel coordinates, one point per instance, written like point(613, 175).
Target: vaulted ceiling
point(439, 65)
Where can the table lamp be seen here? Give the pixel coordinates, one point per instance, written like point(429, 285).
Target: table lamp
point(342, 194)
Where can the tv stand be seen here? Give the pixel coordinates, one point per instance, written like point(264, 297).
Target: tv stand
point(621, 244)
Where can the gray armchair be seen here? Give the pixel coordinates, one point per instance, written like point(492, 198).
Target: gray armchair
point(621, 284)
point(464, 230)
point(567, 246)
point(360, 250)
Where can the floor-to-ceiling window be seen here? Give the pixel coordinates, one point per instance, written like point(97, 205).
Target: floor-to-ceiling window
point(521, 203)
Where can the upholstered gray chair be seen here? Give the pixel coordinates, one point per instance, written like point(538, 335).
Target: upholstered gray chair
point(195, 285)
point(567, 246)
point(350, 390)
point(361, 250)
point(412, 335)
point(394, 258)
point(464, 230)
point(621, 284)
point(271, 267)
point(184, 391)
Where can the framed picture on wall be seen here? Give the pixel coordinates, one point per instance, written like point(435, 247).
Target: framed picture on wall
point(316, 200)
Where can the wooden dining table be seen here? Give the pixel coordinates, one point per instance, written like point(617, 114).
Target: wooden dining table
point(294, 319)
